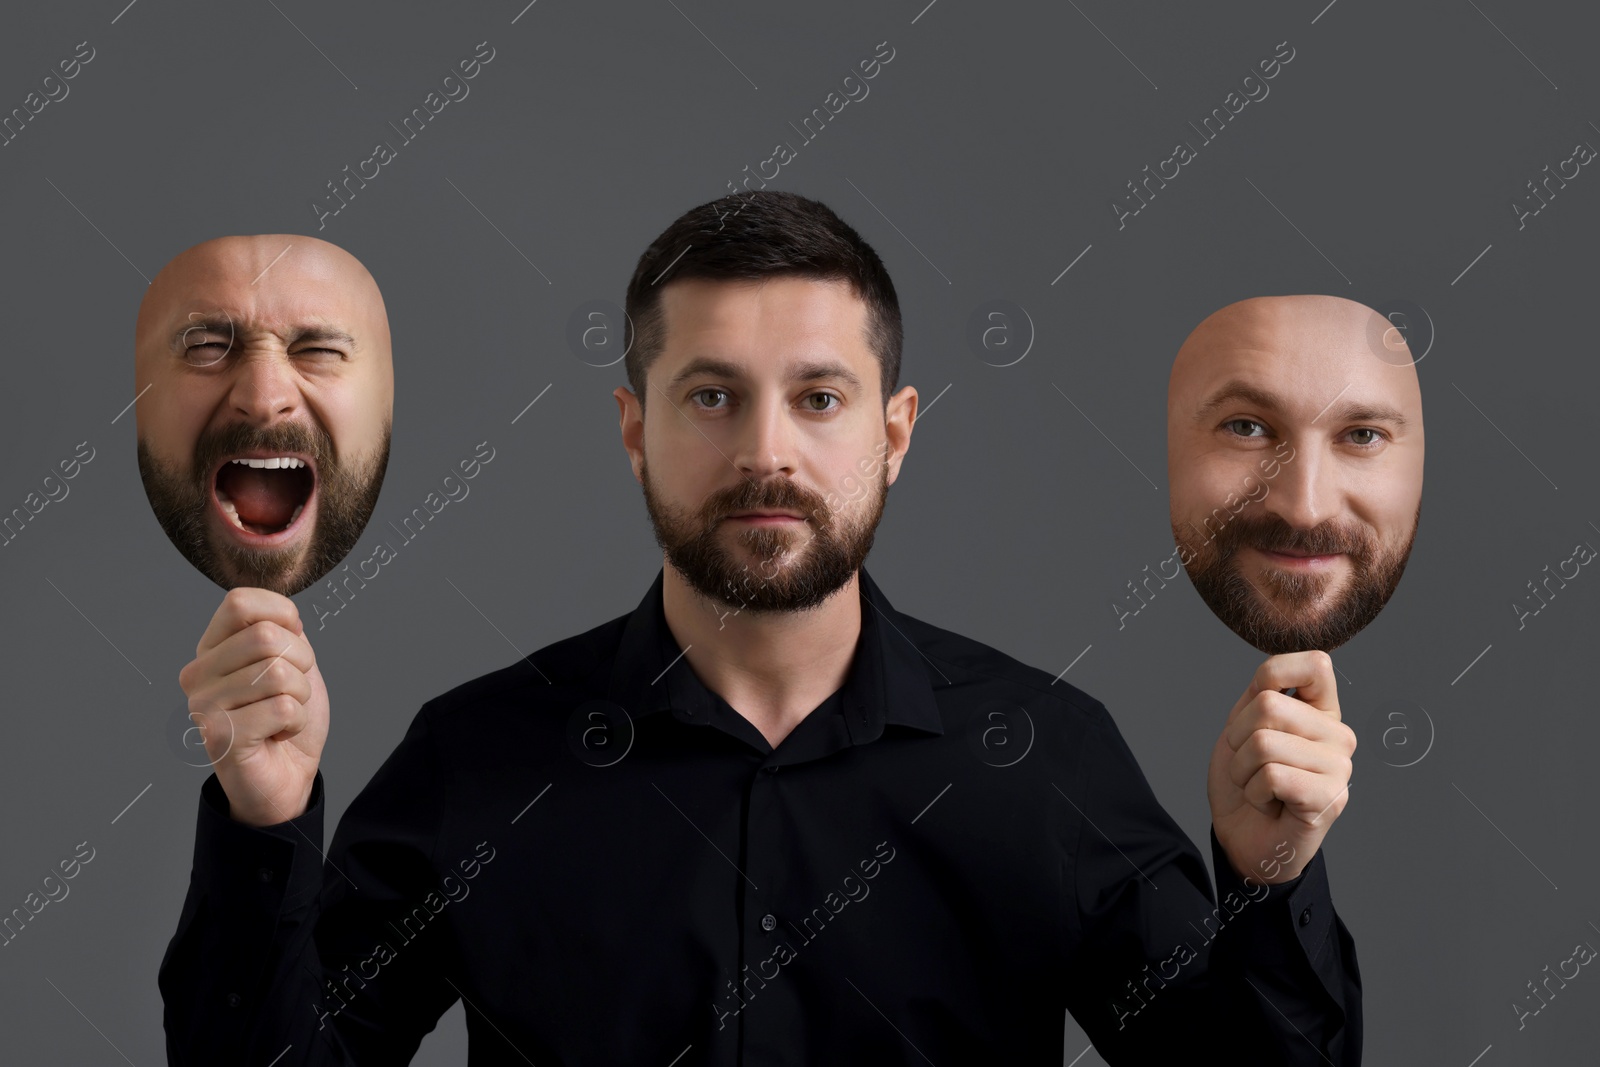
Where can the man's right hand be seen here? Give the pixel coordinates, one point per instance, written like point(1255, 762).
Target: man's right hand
point(255, 691)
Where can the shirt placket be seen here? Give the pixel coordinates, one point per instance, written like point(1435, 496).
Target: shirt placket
point(771, 1013)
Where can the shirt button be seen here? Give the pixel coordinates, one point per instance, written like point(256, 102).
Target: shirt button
point(769, 922)
point(1305, 916)
point(234, 1000)
point(770, 769)
point(265, 874)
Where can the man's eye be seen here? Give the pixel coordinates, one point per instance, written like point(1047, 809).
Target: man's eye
point(709, 392)
point(1372, 439)
point(824, 396)
point(323, 353)
point(203, 354)
point(1231, 423)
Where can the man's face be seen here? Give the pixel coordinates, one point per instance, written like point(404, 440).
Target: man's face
point(266, 404)
point(1294, 455)
point(770, 454)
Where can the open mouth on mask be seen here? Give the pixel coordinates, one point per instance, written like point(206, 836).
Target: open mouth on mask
point(264, 498)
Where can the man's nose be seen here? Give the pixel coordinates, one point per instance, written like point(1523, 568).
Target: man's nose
point(1304, 494)
point(265, 388)
point(765, 441)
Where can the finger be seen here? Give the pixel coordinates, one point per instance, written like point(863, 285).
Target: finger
point(259, 643)
point(1271, 710)
point(262, 643)
point(275, 718)
point(1259, 791)
point(1309, 673)
point(217, 732)
point(1330, 811)
point(1259, 684)
point(1312, 798)
point(253, 682)
point(1297, 753)
point(1243, 702)
point(245, 605)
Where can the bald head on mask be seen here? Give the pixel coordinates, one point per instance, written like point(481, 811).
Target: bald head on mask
point(266, 395)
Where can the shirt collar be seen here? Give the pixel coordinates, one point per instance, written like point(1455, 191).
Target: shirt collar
point(887, 682)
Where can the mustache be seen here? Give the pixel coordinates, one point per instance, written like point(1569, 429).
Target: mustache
point(1272, 533)
point(214, 446)
point(751, 495)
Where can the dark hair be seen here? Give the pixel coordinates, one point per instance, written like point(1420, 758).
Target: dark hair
point(751, 236)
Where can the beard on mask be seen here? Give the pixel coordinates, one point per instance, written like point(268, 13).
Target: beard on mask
point(346, 497)
point(1290, 611)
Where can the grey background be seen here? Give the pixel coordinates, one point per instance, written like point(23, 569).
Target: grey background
point(1381, 164)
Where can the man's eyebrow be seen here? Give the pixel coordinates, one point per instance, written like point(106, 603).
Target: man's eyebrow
point(812, 371)
point(1350, 411)
point(225, 325)
point(702, 365)
point(808, 371)
point(1359, 411)
point(1239, 390)
point(320, 332)
point(203, 324)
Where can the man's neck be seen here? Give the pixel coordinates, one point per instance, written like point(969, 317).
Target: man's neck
point(774, 668)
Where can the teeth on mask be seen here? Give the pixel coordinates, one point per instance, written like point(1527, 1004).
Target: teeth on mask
point(274, 463)
point(232, 513)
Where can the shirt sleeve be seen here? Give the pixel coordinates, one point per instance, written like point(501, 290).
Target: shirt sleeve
point(1296, 959)
point(1159, 967)
point(283, 957)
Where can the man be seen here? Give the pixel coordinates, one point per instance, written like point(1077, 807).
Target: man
point(1294, 453)
point(764, 818)
point(266, 394)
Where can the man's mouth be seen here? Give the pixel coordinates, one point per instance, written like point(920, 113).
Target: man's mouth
point(764, 516)
point(1299, 559)
point(262, 497)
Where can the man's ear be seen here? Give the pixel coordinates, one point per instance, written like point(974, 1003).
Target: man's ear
point(898, 418)
point(631, 420)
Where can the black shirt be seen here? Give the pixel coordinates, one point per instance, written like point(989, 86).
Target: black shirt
point(610, 865)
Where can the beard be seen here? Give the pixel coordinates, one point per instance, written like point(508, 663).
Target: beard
point(1285, 615)
point(795, 569)
point(346, 497)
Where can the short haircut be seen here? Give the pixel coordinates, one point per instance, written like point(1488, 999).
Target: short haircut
point(749, 237)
